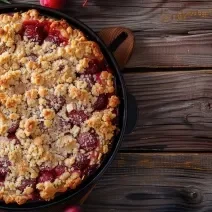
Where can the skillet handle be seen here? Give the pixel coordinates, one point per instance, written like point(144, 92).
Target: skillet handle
point(120, 41)
point(132, 113)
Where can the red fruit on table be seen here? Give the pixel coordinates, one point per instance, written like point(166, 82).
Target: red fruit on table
point(56, 4)
point(73, 209)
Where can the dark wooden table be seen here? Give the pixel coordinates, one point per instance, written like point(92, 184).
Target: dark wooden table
point(165, 165)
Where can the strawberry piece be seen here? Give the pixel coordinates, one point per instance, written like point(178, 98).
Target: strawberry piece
point(98, 79)
point(101, 102)
point(88, 141)
point(35, 196)
point(56, 4)
point(77, 117)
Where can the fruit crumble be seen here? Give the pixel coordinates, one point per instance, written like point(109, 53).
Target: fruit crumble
point(57, 107)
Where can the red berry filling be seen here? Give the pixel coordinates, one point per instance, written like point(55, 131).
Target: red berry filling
point(89, 79)
point(90, 170)
point(81, 162)
point(55, 37)
point(13, 128)
point(34, 31)
point(59, 170)
point(101, 102)
point(27, 183)
point(94, 67)
point(39, 31)
point(77, 117)
point(46, 176)
point(88, 141)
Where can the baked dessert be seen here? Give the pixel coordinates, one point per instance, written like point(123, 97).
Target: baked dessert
point(57, 107)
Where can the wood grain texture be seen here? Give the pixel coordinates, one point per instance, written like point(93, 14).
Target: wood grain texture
point(175, 106)
point(155, 183)
point(175, 111)
point(168, 33)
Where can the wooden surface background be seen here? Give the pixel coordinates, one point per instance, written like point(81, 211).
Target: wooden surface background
point(165, 165)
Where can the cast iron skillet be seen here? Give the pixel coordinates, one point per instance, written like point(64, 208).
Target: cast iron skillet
point(127, 113)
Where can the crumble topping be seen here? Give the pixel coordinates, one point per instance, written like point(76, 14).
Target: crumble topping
point(57, 107)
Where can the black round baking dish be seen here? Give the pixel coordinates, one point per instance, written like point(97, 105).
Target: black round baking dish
point(127, 115)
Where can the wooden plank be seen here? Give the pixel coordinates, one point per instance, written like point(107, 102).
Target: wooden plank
point(175, 111)
point(168, 33)
point(156, 183)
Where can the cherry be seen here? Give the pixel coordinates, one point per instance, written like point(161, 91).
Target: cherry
point(34, 31)
point(77, 117)
point(56, 37)
point(59, 170)
point(46, 176)
point(56, 102)
point(57, 4)
point(27, 183)
point(73, 209)
point(93, 67)
point(101, 102)
point(81, 162)
point(88, 141)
